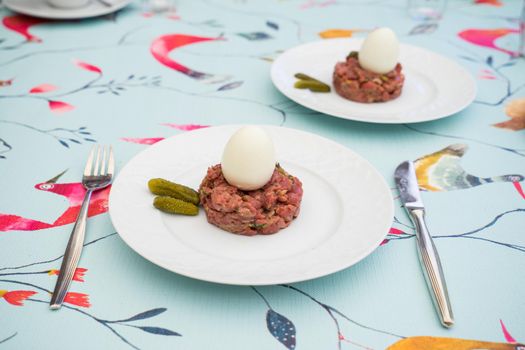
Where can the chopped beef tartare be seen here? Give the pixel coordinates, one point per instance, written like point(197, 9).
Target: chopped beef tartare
point(263, 211)
point(353, 82)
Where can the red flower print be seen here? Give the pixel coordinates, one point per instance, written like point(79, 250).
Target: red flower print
point(42, 88)
point(78, 299)
point(163, 45)
point(21, 24)
point(144, 141)
point(395, 231)
point(518, 187)
point(60, 107)
point(16, 297)
point(392, 231)
point(488, 38)
point(87, 66)
point(185, 127)
point(509, 338)
point(497, 3)
point(78, 276)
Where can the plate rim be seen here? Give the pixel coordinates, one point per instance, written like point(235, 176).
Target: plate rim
point(366, 252)
point(273, 76)
point(104, 10)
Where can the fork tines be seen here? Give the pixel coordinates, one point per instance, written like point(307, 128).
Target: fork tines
point(100, 161)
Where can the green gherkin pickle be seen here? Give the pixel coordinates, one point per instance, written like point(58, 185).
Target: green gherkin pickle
point(303, 76)
point(312, 85)
point(353, 54)
point(175, 206)
point(163, 187)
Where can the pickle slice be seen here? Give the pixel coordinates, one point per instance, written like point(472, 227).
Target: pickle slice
point(312, 85)
point(353, 54)
point(175, 206)
point(303, 76)
point(162, 187)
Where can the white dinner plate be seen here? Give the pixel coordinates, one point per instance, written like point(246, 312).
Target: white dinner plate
point(346, 211)
point(435, 86)
point(42, 9)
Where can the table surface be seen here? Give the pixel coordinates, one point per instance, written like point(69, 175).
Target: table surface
point(114, 80)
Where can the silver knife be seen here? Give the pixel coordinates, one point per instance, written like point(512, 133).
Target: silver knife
point(406, 181)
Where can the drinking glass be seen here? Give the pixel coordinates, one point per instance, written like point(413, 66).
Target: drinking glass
point(158, 6)
point(426, 9)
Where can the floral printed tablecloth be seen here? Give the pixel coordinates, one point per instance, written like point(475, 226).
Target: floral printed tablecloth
point(133, 78)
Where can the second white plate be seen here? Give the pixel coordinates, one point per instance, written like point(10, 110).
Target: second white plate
point(41, 8)
point(346, 211)
point(435, 86)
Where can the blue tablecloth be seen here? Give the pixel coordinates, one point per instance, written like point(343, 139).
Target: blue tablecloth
point(115, 80)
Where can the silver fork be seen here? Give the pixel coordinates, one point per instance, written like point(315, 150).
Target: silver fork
point(98, 173)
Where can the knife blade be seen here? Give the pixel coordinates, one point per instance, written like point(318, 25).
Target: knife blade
point(406, 182)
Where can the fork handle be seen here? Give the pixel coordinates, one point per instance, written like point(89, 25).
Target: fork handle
point(71, 256)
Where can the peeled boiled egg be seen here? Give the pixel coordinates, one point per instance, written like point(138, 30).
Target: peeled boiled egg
point(380, 51)
point(248, 159)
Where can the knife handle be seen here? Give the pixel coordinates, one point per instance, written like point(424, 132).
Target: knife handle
point(432, 270)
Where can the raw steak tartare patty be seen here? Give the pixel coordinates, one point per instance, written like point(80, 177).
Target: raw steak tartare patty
point(353, 82)
point(263, 211)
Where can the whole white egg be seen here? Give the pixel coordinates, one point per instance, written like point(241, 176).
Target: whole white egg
point(248, 159)
point(380, 51)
